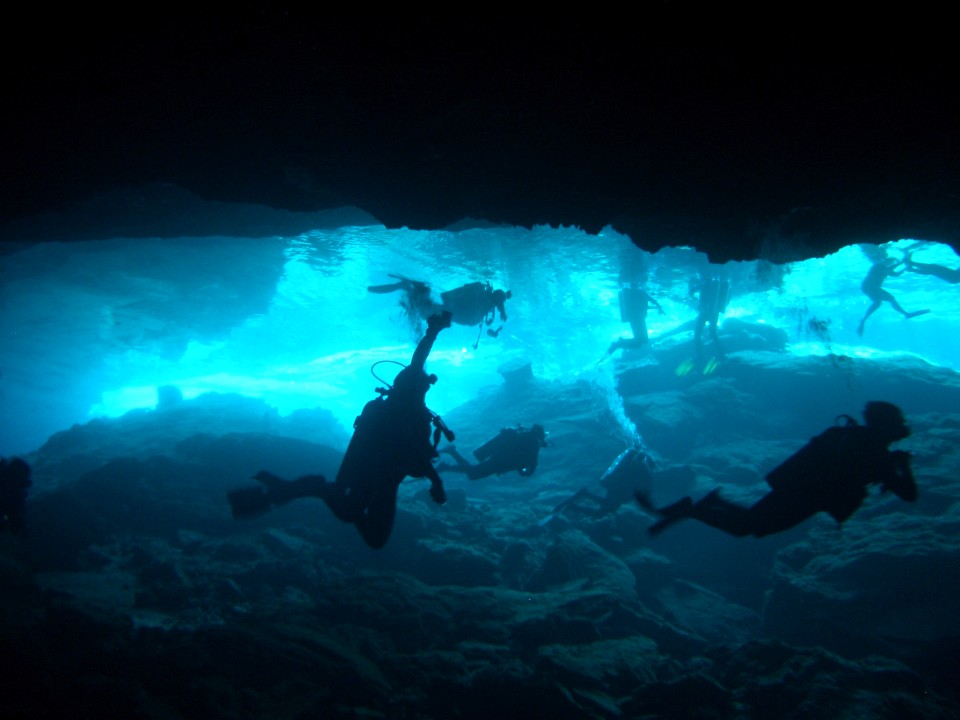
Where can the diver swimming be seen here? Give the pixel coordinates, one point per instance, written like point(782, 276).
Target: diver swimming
point(473, 304)
point(392, 440)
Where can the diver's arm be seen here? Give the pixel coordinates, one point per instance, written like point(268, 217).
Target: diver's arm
point(435, 323)
point(437, 493)
point(901, 481)
point(532, 457)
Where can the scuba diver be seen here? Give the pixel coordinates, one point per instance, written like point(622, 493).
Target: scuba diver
point(391, 441)
point(475, 303)
point(515, 448)
point(635, 301)
point(714, 294)
point(630, 471)
point(950, 275)
point(830, 474)
point(713, 290)
point(14, 485)
point(872, 286)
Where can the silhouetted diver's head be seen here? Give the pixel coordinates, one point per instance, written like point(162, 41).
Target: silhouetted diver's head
point(886, 418)
point(540, 434)
point(412, 383)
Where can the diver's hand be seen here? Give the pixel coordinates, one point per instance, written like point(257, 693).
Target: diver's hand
point(438, 494)
point(440, 321)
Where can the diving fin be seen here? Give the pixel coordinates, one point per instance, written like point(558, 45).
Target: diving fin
point(543, 521)
point(918, 313)
point(562, 506)
point(570, 501)
point(711, 365)
point(684, 368)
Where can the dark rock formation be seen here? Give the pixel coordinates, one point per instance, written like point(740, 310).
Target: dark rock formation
point(134, 588)
point(427, 122)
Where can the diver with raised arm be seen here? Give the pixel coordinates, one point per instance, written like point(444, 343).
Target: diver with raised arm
point(391, 441)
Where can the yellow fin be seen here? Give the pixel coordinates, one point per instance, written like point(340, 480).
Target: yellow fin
point(684, 368)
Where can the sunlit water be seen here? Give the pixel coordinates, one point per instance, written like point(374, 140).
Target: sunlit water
point(323, 333)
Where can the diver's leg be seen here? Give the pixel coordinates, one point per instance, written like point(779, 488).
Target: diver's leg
point(497, 464)
point(874, 306)
point(345, 506)
point(778, 511)
point(719, 513)
point(474, 472)
point(452, 451)
point(376, 522)
point(639, 328)
point(632, 343)
point(698, 337)
point(715, 336)
point(669, 515)
point(896, 306)
point(462, 464)
point(274, 491)
point(306, 486)
point(614, 346)
point(388, 288)
point(437, 493)
point(353, 491)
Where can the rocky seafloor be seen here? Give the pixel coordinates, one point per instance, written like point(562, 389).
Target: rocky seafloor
point(134, 593)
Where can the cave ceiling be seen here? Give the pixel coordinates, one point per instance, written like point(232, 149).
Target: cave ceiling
point(422, 123)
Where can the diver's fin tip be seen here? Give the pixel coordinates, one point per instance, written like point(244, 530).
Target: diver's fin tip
point(684, 368)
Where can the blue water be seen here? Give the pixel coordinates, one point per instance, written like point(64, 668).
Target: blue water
point(91, 326)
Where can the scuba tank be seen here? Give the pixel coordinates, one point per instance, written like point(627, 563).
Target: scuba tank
point(622, 458)
point(816, 462)
point(632, 461)
point(497, 444)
